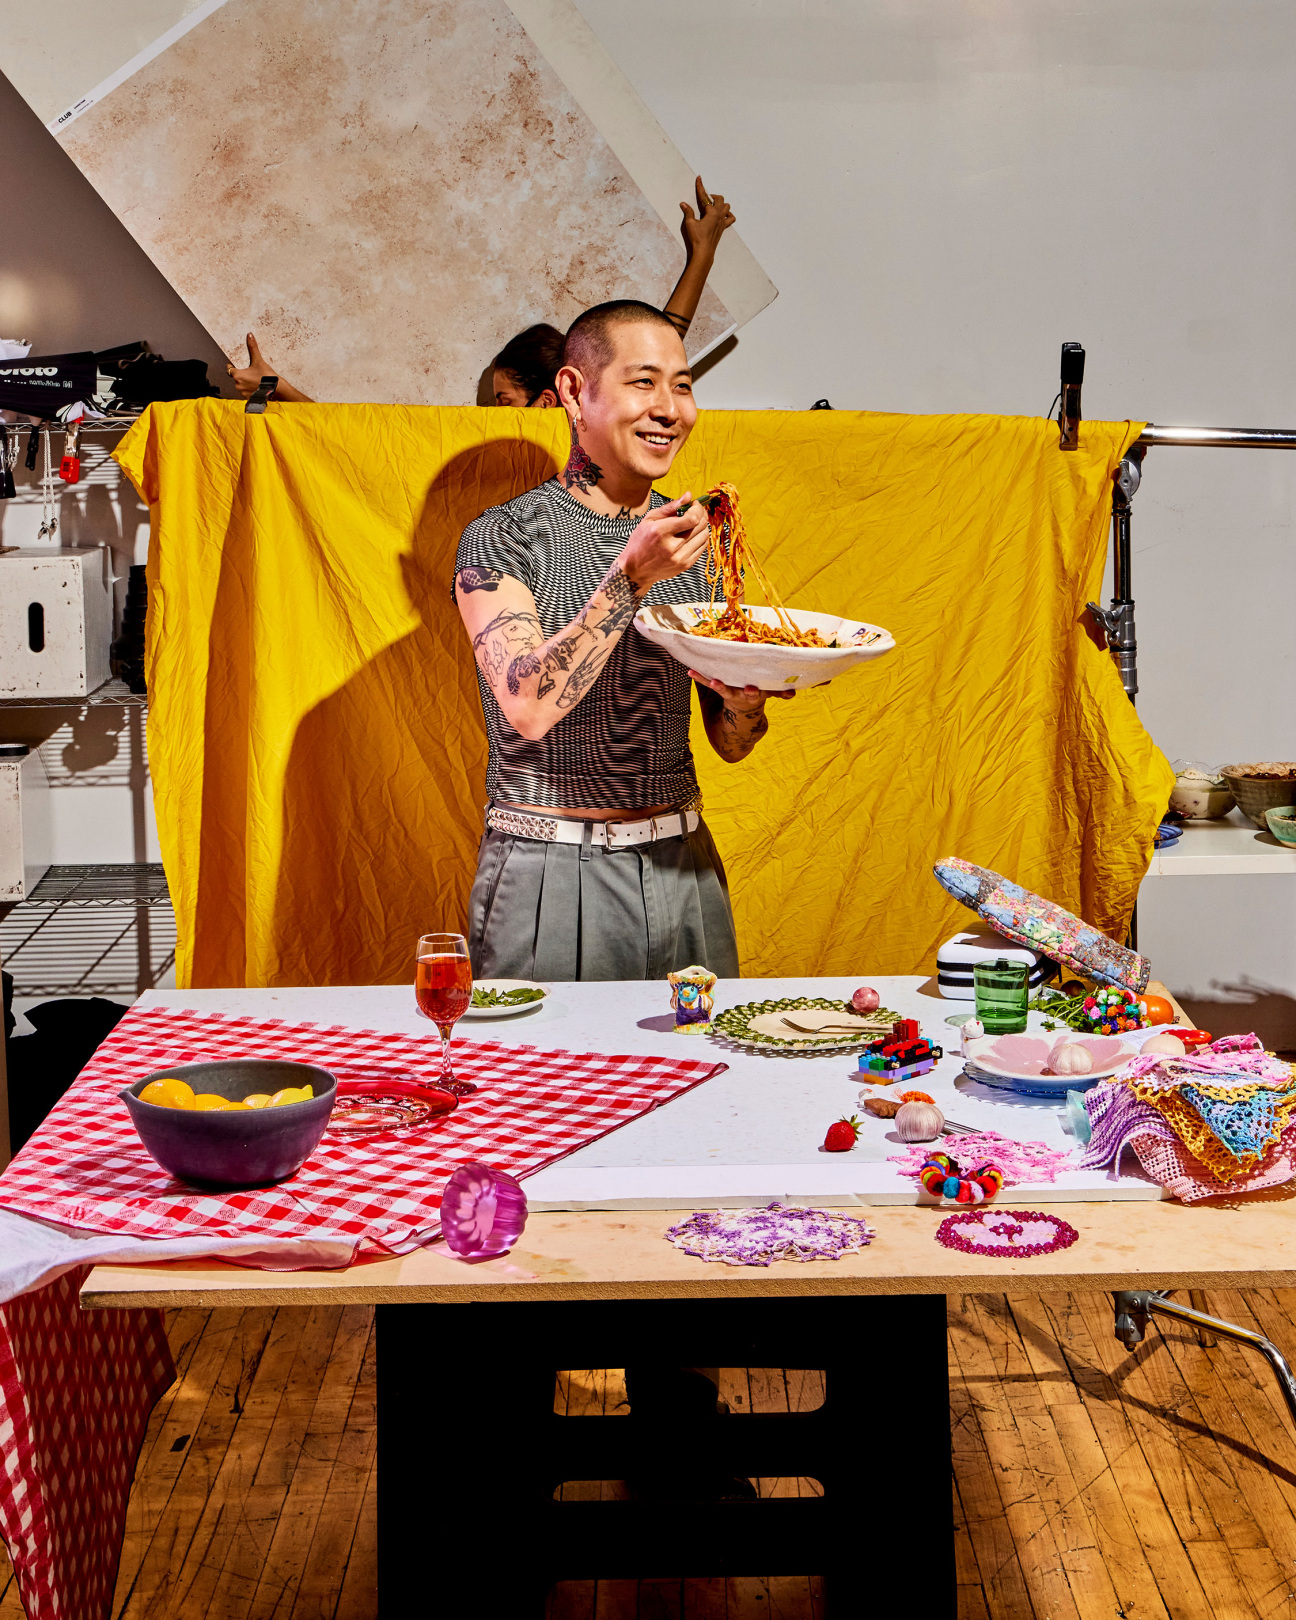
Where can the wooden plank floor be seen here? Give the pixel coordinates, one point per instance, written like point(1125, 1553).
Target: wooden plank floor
point(1088, 1482)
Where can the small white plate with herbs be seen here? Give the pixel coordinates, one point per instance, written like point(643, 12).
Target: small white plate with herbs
point(502, 998)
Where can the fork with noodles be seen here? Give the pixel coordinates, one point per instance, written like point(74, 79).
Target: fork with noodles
point(728, 553)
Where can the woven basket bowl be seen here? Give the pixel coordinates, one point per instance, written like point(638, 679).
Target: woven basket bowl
point(1263, 785)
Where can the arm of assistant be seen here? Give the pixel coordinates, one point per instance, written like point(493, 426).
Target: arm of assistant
point(538, 681)
point(734, 716)
point(247, 379)
point(702, 232)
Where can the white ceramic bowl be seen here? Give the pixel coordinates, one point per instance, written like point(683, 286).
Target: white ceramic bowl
point(755, 663)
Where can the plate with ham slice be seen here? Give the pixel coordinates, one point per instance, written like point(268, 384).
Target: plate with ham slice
point(1031, 1064)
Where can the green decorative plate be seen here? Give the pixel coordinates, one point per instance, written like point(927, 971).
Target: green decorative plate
point(753, 1025)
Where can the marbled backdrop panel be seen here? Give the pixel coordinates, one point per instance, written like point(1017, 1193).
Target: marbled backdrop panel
point(385, 190)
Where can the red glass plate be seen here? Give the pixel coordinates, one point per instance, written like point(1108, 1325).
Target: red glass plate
point(373, 1101)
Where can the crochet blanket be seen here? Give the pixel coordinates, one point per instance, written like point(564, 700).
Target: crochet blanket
point(1218, 1121)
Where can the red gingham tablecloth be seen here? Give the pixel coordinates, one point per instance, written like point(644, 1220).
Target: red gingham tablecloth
point(76, 1388)
point(86, 1167)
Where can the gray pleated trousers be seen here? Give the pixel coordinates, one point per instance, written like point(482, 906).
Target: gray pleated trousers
point(561, 912)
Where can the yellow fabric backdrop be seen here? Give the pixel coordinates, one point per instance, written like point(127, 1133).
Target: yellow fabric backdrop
point(315, 735)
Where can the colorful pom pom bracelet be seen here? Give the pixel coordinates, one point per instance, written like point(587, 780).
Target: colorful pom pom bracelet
point(942, 1178)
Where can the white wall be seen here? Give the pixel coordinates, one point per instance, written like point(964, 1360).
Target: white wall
point(946, 190)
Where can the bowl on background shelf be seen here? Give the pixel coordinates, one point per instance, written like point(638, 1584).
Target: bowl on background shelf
point(1282, 823)
point(1265, 785)
point(1200, 792)
point(235, 1148)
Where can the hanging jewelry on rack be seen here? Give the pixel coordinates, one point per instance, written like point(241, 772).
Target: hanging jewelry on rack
point(8, 460)
point(49, 498)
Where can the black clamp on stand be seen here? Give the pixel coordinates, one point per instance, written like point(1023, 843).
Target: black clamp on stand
point(1118, 620)
point(257, 404)
point(1073, 359)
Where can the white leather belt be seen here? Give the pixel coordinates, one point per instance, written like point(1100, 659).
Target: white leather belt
point(605, 834)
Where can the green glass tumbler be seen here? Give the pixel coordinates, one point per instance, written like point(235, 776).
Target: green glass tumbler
point(1001, 995)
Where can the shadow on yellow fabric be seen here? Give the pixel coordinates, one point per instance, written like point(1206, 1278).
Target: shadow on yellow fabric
point(319, 757)
point(386, 780)
point(315, 733)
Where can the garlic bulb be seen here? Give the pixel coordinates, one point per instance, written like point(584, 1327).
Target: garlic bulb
point(1166, 1045)
point(919, 1122)
point(1071, 1057)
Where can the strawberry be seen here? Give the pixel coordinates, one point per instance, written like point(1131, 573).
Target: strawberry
point(841, 1136)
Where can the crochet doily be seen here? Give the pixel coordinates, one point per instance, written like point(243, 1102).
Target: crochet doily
point(1119, 1119)
point(757, 1237)
point(1019, 1233)
point(1224, 1110)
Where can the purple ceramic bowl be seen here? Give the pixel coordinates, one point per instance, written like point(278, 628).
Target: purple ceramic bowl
point(246, 1147)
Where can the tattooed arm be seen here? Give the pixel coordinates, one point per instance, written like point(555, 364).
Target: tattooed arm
point(537, 681)
point(734, 716)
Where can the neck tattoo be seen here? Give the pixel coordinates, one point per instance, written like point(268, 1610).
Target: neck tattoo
point(580, 472)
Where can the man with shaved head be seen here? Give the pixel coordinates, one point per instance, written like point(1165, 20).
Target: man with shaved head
point(595, 862)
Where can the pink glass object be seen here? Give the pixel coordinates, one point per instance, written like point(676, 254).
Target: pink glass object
point(372, 1101)
point(483, 1211)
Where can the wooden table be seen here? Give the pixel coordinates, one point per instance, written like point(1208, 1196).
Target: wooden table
point(464, 1474)
point(602, 1256)
point(466, 1480)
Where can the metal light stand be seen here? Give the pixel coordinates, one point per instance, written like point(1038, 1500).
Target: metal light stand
point(1134, 1307)
point(1118, 620)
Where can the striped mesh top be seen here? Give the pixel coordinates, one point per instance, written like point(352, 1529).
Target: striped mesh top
point(626, 743)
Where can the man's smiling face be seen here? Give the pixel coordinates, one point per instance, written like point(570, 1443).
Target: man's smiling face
point(640, 408)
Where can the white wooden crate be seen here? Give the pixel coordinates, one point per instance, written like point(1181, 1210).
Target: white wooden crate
point(24, 825)
point(56, 622)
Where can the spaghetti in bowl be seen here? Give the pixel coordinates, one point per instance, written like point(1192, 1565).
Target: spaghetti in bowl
point(768, 665)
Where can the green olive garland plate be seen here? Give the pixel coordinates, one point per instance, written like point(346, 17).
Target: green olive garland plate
point(735, 1025)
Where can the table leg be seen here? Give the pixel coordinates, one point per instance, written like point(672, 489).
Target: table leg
point(470, 1452)
point(463, 1404)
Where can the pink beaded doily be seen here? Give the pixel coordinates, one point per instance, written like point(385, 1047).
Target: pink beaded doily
point(1019, 1233)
